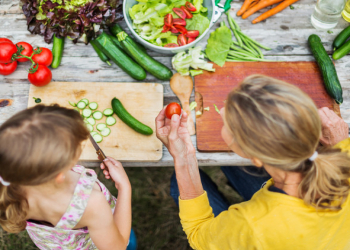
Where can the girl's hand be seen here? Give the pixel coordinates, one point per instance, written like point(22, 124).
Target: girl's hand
point(115, 171)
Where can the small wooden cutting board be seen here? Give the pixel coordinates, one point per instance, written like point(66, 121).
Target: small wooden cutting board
point(142, 100)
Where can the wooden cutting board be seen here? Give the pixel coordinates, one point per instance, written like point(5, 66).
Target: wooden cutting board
point(143, 100)
point(215, 86)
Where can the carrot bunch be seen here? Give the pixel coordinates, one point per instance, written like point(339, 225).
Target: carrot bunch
point(249, 7)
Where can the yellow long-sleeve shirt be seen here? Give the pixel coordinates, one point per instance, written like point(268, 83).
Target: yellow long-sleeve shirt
point(270, 221)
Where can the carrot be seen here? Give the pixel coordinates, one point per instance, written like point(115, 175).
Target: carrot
point(262, 4)
point(253, 4)
point(244, 7)
point(274, 11)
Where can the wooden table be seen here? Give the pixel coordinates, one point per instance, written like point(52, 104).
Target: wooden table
point(286, 33)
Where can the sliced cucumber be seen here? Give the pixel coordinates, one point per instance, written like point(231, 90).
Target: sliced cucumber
point(81, 105)
point(105, 132)
point(111, 121)
point(76, 109)
point(101, 126)
point(91, 121)
point(97, 115)
point(97, 137)
point(93, 133)
point(87, 113)
point(89, 127)
point(86, 121)
point(72, 104)
point(93, 105)
point(108, 112)
point(85, 100)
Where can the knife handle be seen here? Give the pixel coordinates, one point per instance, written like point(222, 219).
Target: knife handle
point(101, 155)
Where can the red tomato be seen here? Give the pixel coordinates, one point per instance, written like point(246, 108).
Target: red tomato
point(5, 40)
point(44, 58)
point(181, 29)
point(41, 77)
point(28, 51)
point(172, 109)
point(8, 68)
point(180, 13)
point(168, 20)
point(6, 52)
point(192, 33)
point(182, 40)
point(188, 14)
point(190, 6)
point(173, 30)
point(179, 21)
point(190, 39)
point(171, 45)
point(165, 29)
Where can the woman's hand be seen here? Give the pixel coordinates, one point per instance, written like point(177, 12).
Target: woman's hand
point(115, 171)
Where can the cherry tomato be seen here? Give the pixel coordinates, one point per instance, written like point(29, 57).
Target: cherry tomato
point(179, 21)
point(188, 14)
point(190, 39)
point(41, 77)
point(182, 40)
point(190, 7)
point(171, 45)
point(44, 58)
point(180, 13)
point(28, 51)
point(172, 109)
point(168, 20)
point(165, 29)
point(5, 40)
point(173, 30)
point(181, 29)
point(6, 52)
point(192, 33)
point(8, 68)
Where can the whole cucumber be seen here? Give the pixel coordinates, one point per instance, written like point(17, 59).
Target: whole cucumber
point(57, 51)
point(116, 29)
point(100, 54)
point(342, 51)
point(341, 38)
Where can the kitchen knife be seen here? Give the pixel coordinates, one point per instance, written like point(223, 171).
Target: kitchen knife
point(99, 151)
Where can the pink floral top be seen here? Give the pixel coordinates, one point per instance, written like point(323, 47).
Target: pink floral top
point(63, 236)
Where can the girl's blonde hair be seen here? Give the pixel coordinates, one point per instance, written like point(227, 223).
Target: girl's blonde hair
point(279, 124)
point(36, 145)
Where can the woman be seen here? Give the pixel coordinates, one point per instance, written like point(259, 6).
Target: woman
point(303, 206)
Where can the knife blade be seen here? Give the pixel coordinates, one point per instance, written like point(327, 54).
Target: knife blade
point(99, 151)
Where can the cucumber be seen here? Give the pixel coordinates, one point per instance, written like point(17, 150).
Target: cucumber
point(114, 31)
point(342, 51)
point(327, 68)
point(119, 57)
point(72, 104)
point(85, 100)
point(97, 137)
point(87, 113)
point(116, 42)
point(105, 132)
point(100, 54)
point(81, 105)
point(89, 127)
point(110, 121)
point(341, 38)
point(101, 126)
point(93, 105)
point(57, 51)
point(97, 115)
point(93, 133)
point(128, 119)
point(141, 57)
point(108, 112)
point(91, 121)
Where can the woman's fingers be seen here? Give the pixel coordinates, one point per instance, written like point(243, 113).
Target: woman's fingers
point(160, 119)
point(174, 126)
point(184, 119)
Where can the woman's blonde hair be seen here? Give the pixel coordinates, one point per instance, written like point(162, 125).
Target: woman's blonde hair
point(278, 123)
point(36, 145)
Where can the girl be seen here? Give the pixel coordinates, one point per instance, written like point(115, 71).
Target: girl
point(304, 205)
point(60, 204)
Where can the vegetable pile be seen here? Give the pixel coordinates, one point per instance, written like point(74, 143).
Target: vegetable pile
point(73, 19)
point(169, 25)
point(341, 44)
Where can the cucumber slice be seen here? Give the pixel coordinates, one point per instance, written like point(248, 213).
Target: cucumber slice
point(91, 121)
point(93, 105)
point(72, 104)
point(97, 115)
point(81, 105)
point(76, 109)
point(89, 127)
point(97, 137)
point(85, 100)
point(105, 132)
point(87, 113)
point(108, 112)
point(101, 126)
point(111, 121)
point(86, 122)
point(93, 133)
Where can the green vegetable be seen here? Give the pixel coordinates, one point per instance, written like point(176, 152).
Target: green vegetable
point(100, 54)
point(72, 104)
point(342, 51)
point(193, 105)
point(97, 137)
point(216, 108)
point(197, 22)
point(37, 100)
point(198, 5)
point(147, 62)
point(341, 38)
point(57, 51)
point(327, 68)
point(128, 119)
point(196, 72)
point(218, 45)
point(115, 30)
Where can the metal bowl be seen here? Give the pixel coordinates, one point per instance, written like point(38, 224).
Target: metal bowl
point(212, 10)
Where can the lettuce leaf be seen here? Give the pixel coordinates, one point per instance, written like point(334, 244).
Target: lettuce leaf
point(218, 45)
point(197, 22)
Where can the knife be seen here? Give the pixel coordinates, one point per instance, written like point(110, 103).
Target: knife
point(99, 151)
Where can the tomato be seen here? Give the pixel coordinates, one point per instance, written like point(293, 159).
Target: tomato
point(5, 40)
point(41, 77)
point(173, 30)
point(8, 68)
point(192, 33)
point(180, 13)
point(190, 7)
point(171, 45)
point(179, 21)
point(28, 51)
point(6, 52)
point(182, 40)
point(172, 109)
point(181, 29)
point(168, 20)
point(165, 29)
point(188, 14)
point(44, 58)
point(190, 39)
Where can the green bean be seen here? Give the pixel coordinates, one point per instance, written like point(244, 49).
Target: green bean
point(239, 40)
point(253, 41)
point(256, 48)
point(248, 47)
point(230, 18)
point(243, 56)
